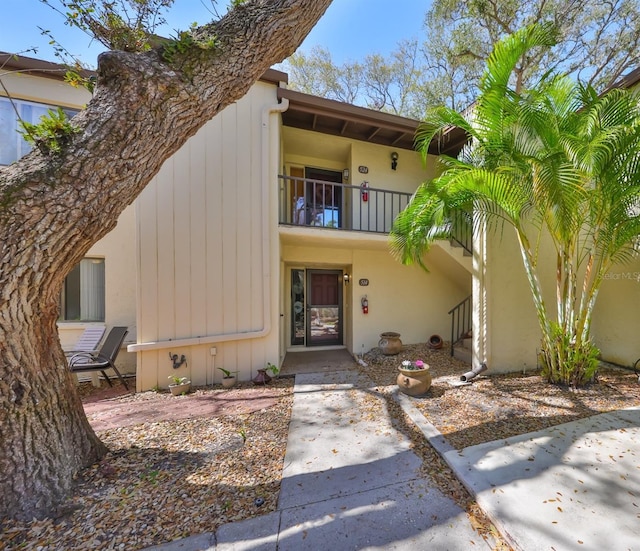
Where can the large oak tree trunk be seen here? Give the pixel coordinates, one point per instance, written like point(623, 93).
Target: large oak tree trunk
point(53, 207)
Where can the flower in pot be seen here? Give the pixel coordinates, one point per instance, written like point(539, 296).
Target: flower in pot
point(414, 377)
point(228, 379)
point(180, 385)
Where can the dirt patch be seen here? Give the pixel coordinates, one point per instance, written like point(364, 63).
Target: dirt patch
point(108, 408)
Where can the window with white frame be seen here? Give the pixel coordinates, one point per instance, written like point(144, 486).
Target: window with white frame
point(12, 144)
point(83, 292)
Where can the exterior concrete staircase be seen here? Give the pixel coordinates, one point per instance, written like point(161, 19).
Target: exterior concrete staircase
point(462, 350)
point(457, 252)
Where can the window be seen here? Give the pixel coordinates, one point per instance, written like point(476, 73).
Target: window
point(83, 292)
point(12, 145)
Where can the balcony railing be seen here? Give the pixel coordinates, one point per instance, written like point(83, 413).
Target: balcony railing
point(317, 203)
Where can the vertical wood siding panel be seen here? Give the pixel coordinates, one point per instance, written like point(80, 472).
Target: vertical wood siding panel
point(148, 264)
point(230, 225)
point(164, 223)
point(259, 208)
point(182, 247)
point(198, 231)
point(214, 209)
point(198, 368)
point(246, 196)
point(230, 218)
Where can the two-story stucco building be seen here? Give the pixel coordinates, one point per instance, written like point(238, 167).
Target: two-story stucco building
point(267, 234)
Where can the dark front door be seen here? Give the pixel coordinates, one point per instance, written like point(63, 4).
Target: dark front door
point(324, 307)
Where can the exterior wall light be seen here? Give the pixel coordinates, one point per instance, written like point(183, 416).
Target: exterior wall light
point(346, 278)
point(394, 160)
point(345, 175)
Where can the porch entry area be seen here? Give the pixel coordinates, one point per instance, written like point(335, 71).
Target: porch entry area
point(316, 307)
point(317, 361)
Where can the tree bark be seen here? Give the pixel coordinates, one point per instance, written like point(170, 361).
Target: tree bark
point(54, 207)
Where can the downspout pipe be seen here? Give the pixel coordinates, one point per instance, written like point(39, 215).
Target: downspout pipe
point(266, 260)
point(474, 372)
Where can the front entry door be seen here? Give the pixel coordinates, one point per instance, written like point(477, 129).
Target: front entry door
point(324, 307)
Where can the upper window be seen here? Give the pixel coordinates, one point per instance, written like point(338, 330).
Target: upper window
point(12, 145)
point(83, 292)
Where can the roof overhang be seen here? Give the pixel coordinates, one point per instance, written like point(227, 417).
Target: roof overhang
point(358, 123)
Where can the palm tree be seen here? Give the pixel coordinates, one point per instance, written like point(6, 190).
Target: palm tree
point(554, 163)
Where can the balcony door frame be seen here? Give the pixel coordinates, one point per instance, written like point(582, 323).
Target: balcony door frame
point(320, 194)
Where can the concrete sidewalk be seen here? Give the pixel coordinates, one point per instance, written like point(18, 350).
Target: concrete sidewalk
point(351, 482)
point(569, 487)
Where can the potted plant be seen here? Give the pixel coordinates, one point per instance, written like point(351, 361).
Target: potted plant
point(180, 385)
point(273, 368)
point(262, 378)
point(414, 377)
point(228, 379)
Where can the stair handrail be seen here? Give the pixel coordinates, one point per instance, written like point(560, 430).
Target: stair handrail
point(460, 320)
point(461, 231)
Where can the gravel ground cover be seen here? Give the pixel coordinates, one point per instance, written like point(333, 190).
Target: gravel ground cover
point(168, 479)
point(493, 407)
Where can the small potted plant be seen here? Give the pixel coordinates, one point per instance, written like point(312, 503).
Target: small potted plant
point(228, 379)
point(274, 369)
point(262, 378)
point(180, 385)
point(414, 378)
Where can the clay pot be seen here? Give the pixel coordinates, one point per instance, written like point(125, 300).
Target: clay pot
point(390, 343)
point(262, 378)
point(435, 342)
point(414, 382)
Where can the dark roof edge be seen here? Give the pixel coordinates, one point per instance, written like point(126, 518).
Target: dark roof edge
point(316, 104)
point(30, 65)
point(49, 69)
point(627, 81)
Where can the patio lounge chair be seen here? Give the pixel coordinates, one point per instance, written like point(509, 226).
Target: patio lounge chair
point(103, 359)
point(88, 341)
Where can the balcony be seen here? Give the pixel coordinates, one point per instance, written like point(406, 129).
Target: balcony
point(335, 206)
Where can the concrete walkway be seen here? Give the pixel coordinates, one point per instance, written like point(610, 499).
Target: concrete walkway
point(351, 482)
point(569, 487)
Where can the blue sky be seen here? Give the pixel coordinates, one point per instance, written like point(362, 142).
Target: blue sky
point(350, 29)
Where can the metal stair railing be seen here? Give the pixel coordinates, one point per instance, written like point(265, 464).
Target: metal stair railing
point(460, 321)
point(461, 232)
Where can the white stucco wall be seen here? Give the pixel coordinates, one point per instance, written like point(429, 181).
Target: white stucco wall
point(512, 330)
point(404, 299)
point(616, 324)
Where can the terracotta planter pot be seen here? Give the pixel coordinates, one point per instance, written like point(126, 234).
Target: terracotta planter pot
point(435, 342)
point(390, 343)
point(414, 382)
point(183, 388)
point(262, 378)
